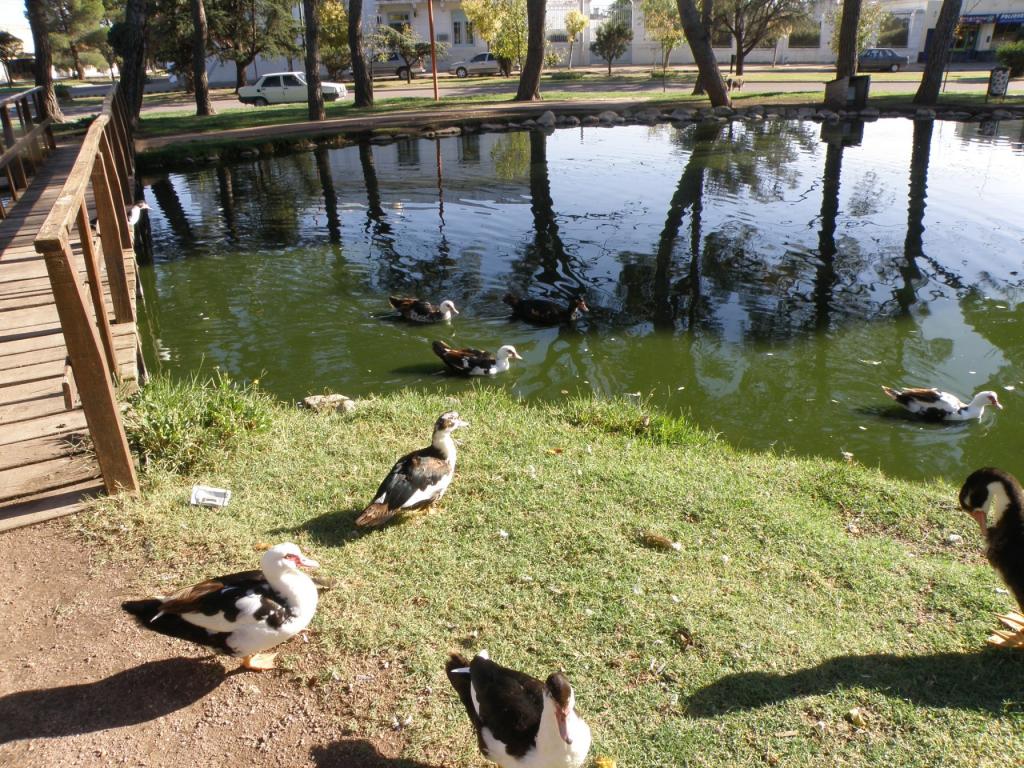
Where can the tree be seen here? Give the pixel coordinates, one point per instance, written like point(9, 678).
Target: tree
point(10, 49)
point(199, 46)
point(169, 27)
point(662, 23)
point(334, 50)
point(753, 22)
point(846, 48)
point(241, 30)
point(699, 37)
point(529, 76)
point(611, 41)
point(361, 74)
point(315, 96)
point(36, 12)
point(870, 20)
point(133, 54)
point(409, 46)
point(503, 25)
point(575, 23)
point(938, 53)
point(72, 25)
point(707, 21)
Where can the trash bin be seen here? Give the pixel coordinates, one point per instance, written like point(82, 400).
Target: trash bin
point(848, 92)
point(998, 83)
point(857, 96)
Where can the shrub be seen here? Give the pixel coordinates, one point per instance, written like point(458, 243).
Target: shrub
point(567, 75)
point(179, 425)
point(1012, 55)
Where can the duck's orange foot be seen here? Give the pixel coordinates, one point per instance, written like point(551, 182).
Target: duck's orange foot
point(1013, 637)
point(259, 662)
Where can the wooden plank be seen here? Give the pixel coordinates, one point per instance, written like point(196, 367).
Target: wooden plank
point(55, 473)
point(25, 373)
point(57, 424)
point(41, 449)
point(49, 404)
point(96, 288)
point(111, 215)
point(49, 505)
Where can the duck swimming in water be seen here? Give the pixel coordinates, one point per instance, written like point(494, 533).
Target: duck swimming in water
point(418, 311)
point(475, 362)
point(942, 406)
point(544, 311)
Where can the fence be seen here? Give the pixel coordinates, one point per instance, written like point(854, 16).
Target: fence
point(102, 173)
point(25, 149)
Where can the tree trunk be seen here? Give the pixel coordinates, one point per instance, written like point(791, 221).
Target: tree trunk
point(846, 59)
point(938, 54)
point(77, 59)
point(323, 169)
point(44, 57)
point(740, 55)
point(240, 78)
point(315, 95)
point(529, 78)
point(700, 44)
point(570, 52)
point(133, 74)
point(609, 67)
point(360, 72)
point(199, 37)
point(707, 9)
point(913, 247)
point(825, 274)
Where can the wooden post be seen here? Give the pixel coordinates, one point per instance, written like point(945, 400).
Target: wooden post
point(114, 176)
point(92, 377)
point(109, 209)
point(120, 161)
point(433, 51)
point(20, 179)
point(92, 268)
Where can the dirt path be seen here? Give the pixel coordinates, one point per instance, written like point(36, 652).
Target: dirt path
point(81, 685)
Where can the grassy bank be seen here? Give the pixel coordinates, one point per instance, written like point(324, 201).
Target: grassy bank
point(804, 588)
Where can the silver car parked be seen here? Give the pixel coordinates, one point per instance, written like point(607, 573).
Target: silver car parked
point(481, 64)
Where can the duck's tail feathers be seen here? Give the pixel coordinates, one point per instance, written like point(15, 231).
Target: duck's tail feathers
point(149, 615)
point(375, 515)
point(398, 301)
point(891, 392)
point(440, 348)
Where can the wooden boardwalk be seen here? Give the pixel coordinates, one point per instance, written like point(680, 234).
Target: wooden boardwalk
point(46, 465)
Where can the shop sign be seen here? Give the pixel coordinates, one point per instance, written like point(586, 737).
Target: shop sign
point(978, 18)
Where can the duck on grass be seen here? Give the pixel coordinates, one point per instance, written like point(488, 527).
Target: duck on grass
point(774, 619)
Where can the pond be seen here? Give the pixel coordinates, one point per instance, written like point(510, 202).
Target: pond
point(763, 278)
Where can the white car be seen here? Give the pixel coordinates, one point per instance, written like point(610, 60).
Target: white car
point(286, 88)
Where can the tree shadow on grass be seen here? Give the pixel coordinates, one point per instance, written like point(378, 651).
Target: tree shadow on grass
point(358, 753)
point(988, 680)
point(133, 696)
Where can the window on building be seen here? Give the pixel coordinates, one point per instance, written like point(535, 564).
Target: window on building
point(895, 32)
point(408, 151)
point(398, 21)
point(469, 148)
point(1007, 33)
point(806, 37)
point(462, 29)
point(558, 36)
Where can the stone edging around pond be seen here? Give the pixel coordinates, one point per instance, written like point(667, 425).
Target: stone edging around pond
point(179, 156)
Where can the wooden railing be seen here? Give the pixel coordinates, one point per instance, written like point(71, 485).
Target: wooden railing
point(105, 167)
point(26, 148)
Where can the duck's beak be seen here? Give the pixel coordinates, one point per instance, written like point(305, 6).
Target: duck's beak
point(454, 309)
point(517, 356)
point(308, 562)
point(563, 729)
point(979, 518)
point(997, 404)
point(460, 423)
point(583, 306)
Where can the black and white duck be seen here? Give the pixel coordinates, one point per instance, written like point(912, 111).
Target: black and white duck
point(244, 614)
point(544, 311)
point(942, 406)
point(418, 311)
point(995, 500)
point(133, 212)
point(475, 362)
point(520, 721)
point(418, 479)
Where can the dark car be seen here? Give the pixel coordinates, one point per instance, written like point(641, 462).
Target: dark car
point(882, 60)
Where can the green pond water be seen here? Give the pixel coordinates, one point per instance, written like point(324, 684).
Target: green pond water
point(765, 279)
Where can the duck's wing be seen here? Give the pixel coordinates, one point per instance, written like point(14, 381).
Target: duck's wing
point(508, 703)
point(245, 597)
point(402, 303)
point(465, 359)
point(413, 482)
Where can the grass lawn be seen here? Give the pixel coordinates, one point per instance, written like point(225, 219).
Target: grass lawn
point(804, 588)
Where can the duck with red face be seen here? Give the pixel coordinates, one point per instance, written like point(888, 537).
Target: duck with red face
point(995, 500)
point(520, 722)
